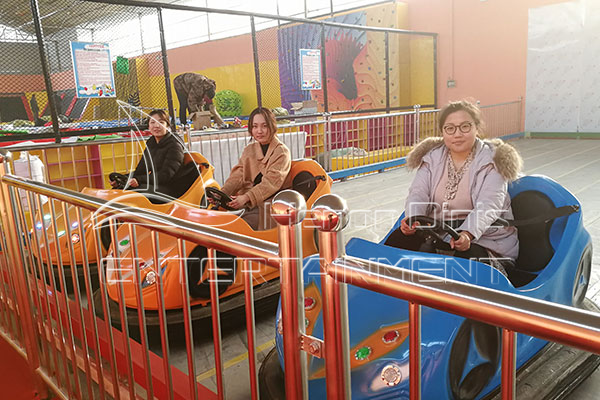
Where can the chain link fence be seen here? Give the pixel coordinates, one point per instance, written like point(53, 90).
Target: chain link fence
point(21, 76)
point(357, 66)
point(131, 33)
point(362, 69)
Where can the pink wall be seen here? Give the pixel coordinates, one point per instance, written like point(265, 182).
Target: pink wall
point(213, 54)
point(487, 54)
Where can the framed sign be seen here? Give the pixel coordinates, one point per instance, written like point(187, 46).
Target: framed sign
point(93, 71)
point(310, 69)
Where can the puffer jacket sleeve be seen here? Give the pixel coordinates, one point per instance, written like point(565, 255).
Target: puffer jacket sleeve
point(418, 201)
point(488, 204)
point(172, 161)
point(277, 170)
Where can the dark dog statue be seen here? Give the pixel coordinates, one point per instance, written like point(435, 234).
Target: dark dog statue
point(194, 92)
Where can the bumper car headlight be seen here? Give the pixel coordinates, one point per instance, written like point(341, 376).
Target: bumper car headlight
point(391, 374)
point(75, 238)
point(150, 279)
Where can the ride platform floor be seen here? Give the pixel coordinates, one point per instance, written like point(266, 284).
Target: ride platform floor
point(375, 202)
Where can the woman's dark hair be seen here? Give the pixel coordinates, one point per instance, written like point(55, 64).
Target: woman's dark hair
point(269, 119)
point(462, 105)
point(160, 115)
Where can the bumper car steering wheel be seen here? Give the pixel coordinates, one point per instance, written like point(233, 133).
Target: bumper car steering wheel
point(121, 179)
point(219, 198)
point(433, 231)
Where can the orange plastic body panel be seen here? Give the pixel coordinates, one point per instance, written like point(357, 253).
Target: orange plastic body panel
point(87, 229)
point(170, 261)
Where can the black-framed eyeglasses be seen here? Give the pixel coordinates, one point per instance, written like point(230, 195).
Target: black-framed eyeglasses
point(465, 127)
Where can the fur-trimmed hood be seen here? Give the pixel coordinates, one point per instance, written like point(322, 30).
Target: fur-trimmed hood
point(505, 157)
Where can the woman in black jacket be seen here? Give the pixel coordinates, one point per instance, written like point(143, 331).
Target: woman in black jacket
point(161, 161)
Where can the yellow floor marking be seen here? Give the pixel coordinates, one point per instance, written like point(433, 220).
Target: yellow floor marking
point(211, 372)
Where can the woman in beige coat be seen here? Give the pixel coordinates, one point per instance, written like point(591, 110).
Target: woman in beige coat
point(261, 170)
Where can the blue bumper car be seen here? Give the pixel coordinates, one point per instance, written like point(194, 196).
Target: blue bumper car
point(460, 357)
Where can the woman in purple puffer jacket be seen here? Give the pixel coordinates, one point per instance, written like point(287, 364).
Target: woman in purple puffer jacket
point(463, 179)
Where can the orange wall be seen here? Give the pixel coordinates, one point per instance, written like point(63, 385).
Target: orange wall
point(488, 51)
point(34, 83)
point(21, 83)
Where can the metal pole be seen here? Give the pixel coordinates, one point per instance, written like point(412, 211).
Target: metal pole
point(327, 141)
point(216, 321)
point(288, 209)
point(509, 363)
point(250, 328)
point(187, 322)
point(187, 133)
point(521, 124)
point(162, 317)
point(277, 6)
point(435, 78)
point(414, 312)
point(387, 72)
point(330, 213)
point(45, 69)
point(256, 62)
point(207, 21)
point(141, 35)
point(165, 61)
point(417, 124)
point(324, 70)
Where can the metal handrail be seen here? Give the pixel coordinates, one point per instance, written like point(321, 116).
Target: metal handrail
point(568, 325)
point(501, 104)
point(288, 209)
point(200, 134)
point(194, 134)
point(435, 111)
point(205, 235)
point(45, 146)
point(368, 117)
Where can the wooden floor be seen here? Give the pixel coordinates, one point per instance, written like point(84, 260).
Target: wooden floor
point(375, 202)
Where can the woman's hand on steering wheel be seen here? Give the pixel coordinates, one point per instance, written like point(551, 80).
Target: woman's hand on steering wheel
point(430, 225)
point(218, 198)
point(117, 180)
point(463, 243)
point(406, 229)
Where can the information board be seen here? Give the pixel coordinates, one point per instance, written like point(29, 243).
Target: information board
point(93, 71)
point(310, 69)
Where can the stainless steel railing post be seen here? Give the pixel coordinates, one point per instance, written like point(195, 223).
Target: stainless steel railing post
point(288, 209)
point(330, 213)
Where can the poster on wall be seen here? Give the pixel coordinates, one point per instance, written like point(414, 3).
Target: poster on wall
point(310, 69)
point(92, 69)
